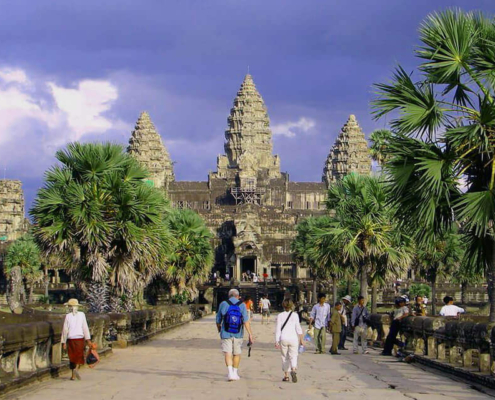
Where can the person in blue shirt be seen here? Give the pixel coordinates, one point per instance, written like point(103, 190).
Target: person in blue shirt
point(231, 331)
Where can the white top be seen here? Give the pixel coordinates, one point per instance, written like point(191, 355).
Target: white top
point(265, 304)
point(320, 315)
point(75, 327)
point(450, 310)
point(292, 328)
point(399, 312)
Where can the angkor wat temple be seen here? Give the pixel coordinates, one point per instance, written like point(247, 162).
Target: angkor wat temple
point(251, 206)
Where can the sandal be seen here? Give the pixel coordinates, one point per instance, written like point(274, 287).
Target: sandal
point(286, 379)
point(294, 376)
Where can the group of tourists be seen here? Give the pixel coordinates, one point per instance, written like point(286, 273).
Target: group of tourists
point(343, 320)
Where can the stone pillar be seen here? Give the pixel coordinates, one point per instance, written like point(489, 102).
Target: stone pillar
point(237, 269)
point(27, 360)
point(419, 348)
point(467, 358)
point(454, 355)
point(485, 363)
point(441, 351)
point(432, 347)
point(57, 354)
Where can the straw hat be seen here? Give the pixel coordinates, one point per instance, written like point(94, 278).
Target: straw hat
point(72, 302)
point(348, 298)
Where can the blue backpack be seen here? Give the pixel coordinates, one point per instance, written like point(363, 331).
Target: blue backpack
point(232, 320)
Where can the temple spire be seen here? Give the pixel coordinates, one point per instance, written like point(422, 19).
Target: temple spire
point(147, 147)
point(249, 145)
point(349, 154)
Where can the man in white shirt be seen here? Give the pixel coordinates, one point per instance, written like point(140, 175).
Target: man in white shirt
point(265, 308)
point(449, 309)
point(320, 316)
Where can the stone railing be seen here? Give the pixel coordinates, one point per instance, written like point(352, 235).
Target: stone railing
point(30, 345)
point(462, 346)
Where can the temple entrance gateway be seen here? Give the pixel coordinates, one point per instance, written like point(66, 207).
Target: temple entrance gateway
point(248, 264)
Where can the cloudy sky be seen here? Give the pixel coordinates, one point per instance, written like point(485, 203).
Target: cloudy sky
point(84, 70)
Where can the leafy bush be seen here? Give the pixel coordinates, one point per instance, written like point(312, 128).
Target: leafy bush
point(342, 290)
point(419, 289)
point(181, 298)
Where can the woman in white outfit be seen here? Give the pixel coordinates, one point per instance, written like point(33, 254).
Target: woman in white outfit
point(288, 337)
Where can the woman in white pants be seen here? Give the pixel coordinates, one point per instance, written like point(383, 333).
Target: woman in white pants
point(288, 337)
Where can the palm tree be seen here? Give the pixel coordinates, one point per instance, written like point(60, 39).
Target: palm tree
point(362, 227)
point(379, 142)
point(97, 212)
point(22, 262)
point(191, 257)
point(440, 259)
point(442, 156)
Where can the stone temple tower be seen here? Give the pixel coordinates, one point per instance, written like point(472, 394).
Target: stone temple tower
point(248, 147)
point(147, 147)
point(349, 153)
point(12, 222)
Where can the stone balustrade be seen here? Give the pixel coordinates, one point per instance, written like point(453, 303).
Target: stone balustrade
point(464, 345)
point(30, 345)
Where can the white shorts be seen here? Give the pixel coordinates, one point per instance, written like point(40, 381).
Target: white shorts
point(232, 346)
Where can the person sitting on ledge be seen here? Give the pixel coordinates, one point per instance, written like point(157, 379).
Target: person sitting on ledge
point(449, 309)
point(401, 311)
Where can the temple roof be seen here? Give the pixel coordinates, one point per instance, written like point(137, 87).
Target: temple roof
point(350, 153)
point(147, 147)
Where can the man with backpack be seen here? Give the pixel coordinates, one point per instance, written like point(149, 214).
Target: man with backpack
point(231, 319)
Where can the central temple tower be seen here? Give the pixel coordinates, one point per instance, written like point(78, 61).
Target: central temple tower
point(249, 146)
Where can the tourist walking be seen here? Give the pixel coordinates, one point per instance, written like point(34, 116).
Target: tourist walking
point(74, 335)
point(320, 317)
point(288, 338)
point(249, 306)
point(401, 311)
point(265, 309)
point(358, 321)
point(232, 318)
point(346, 312)
point(336, 327)
point(449, 309)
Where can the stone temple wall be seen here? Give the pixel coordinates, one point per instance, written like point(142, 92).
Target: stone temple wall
point(12, 220)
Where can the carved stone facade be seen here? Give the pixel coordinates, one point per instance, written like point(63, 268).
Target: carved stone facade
point(12, 222)
point(349, 154)
point(147, 147)
point(251, 206)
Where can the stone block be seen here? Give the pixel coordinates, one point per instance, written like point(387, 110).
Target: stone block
point(441, 351)
point(467, 358)
point(419, 348)
point(432, 347)
point(455, 355)
point(57, 354)
point(27, 359)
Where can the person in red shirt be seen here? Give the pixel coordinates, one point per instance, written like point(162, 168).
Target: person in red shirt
point(249, 306)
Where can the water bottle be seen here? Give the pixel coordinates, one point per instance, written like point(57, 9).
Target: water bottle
point(301, 349)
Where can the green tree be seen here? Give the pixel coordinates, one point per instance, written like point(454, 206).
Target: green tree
point(379, 142)
point(97, 212)
point(363, 228)
point(22, 263)
point(441, 156)
point(191, 256)
point(441, 258)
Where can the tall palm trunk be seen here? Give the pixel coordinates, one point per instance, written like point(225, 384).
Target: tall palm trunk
point(97, 297)
point(463, 292)
point(434, 296)
point(334, 289)
point(16, 289)
point(363, 283)
point(315, 287)
point(490, 274)
point(349, 287)
point(374, 298)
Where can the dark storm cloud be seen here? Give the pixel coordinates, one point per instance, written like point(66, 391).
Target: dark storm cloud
point(183, 61)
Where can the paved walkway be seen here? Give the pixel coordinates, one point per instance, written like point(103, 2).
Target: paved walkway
point(187, 363)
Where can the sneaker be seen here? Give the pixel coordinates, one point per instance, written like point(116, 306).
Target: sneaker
point(236, 376)
point(294, 376)
point(230, 377)
point(366, 352)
